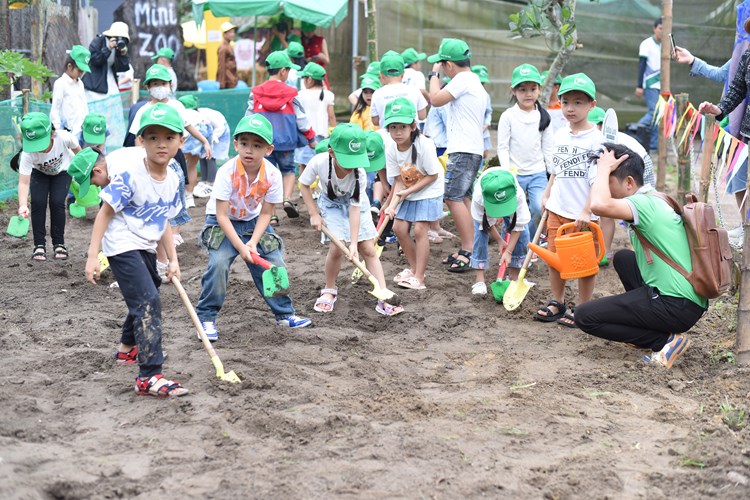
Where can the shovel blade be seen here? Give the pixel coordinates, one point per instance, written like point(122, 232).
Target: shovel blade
point(18, 226)
point(275, 282)
point(498, 290)
point(231, 377)
point(515, 294)
point(77, 211)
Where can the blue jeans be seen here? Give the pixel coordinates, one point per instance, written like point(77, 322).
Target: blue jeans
point(480, 249)
point(135, 272)
point(534, 186)
point(652, 97)
point(284, 161)
point(221, 254)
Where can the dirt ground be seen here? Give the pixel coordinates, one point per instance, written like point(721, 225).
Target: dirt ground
point(454, 398)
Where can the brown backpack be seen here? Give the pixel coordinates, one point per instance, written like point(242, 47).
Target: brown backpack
point(710, 253)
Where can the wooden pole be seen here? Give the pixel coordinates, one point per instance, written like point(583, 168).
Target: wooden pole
point(708, 153)
point(683, 155)
point(372, 31)
point(135, 91)
point(26, 93)
point(666, 24)
point(743, 307)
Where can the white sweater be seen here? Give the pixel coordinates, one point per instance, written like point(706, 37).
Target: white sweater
point(521, 145)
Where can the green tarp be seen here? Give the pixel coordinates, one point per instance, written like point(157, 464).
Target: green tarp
point(319, 12)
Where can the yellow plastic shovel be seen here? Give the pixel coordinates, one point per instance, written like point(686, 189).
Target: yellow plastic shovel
point(226, 377)
point(381, 293)
point(518, 289)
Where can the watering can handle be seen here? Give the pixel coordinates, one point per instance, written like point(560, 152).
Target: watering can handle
point(561, 230)
point(257, 259)
point(600, 240)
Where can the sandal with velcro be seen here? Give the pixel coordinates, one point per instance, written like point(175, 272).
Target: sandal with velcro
point(159, 387)
point(460, 266)
point(61, 253)
point(549, 316)
point(127, 358)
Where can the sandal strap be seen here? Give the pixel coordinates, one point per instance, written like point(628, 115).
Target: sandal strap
point(331, 291)
point(157, 385)
point(465, 253)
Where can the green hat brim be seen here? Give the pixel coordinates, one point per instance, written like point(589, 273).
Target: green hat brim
point(376, 164)
point(433, 58)
point(92, 138)
point(573, 87)
point(173, 128)
point(83, 66)
point(532, 79)
point(398, 119)
point(37, 144)
point(497, 210)
point(351, 161)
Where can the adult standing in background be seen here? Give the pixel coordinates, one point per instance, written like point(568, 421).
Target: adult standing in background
point(649, 78)
point(109, 56)
point(316, 48)
point(226, 75)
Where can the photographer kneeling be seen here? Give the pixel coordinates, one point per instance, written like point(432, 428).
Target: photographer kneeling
point(109, 56)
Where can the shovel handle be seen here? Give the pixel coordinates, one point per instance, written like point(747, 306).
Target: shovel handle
point(384, 218)
point(538, 233)
point(504, 265)
point(257, 259)
point(343, 248)
point(197, 322)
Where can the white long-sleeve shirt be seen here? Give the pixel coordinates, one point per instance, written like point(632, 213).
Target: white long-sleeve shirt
point(69, 106)
point(520, 143)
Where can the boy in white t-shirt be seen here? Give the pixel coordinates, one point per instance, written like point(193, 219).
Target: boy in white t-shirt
point(133, 218)
point(392, 71)
point(412, 70)
point(466, 100)
point(238, 215)
point(649, 78)
point(568, 194)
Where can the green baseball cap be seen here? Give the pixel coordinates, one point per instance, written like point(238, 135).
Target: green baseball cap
point(295, 50)
point(400, 110)
point(81, 56)
point(411, 56)
point(255, 124)
point(163, 52)
point(370, 83)
point(36, 130)
point(80, 169)
point(596, 115)
point(94, 129)
point(482, 72)
point(349, 145)
point(525, 73)
point(157, 72)
point(313, 70)
point(451, 49)
point(189, 101)
point(498, 192)
point(558, 80)
point(163, 115)
point(373, 69)
point(279, 60)
point(375, 151)
point(321, 147)
point(580, 82)
point(392, 64)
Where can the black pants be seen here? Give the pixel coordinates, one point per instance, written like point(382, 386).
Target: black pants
point(48, 189)
point(641, 315)
point(139, 282)
point(208, 170)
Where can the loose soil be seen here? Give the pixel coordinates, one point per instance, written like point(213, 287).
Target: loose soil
point(455, 398)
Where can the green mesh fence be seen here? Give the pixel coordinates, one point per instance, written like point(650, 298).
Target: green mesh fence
point(231, 103)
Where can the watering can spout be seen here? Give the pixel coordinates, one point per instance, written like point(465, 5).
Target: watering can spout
point(551, 258)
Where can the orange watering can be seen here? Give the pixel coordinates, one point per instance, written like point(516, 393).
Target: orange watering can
point(576, 256)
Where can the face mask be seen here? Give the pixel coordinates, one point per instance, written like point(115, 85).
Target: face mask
point(159, 93)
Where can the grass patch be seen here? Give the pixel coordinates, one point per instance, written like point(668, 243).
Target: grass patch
point(733, 416)
point(692, 462)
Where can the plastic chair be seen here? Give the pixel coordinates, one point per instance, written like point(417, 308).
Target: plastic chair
point(208, 85)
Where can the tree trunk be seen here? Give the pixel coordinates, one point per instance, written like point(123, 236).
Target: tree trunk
point(666, 14)
point(683, 155)
point(372, 31)
point(562, 57)
point(4, 40)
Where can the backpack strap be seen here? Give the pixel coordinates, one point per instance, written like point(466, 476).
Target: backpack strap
point(649, 247)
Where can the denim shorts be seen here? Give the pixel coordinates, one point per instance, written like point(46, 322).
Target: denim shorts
point(284, 161)
point(335, 213)
point(426, 210)
point(461, 174)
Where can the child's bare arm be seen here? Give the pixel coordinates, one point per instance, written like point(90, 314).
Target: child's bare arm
point(547, 191)
point(196, 133)
point(312, 208)
point(167, 242)
point(420, 184)
point(353, 232)
point(100, 226)
point(392, 202)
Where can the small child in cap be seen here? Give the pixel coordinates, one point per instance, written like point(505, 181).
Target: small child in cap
point(344, 209)
point(69, 104)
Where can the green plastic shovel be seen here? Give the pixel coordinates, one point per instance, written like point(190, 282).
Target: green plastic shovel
point(18, 226)
point(77, 210)
point(275, 279)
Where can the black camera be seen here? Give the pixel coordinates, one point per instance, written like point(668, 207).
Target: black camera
point(122, 43)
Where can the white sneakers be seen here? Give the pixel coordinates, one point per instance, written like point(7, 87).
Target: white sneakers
point(203, 189)
point(189, 200)
point(479, 288)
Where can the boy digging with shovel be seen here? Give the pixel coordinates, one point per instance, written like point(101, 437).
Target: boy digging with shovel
point(134, 217)
point(238, 215)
